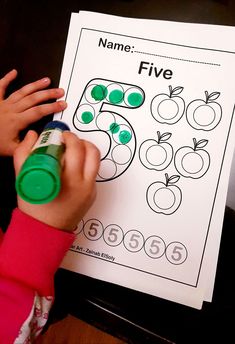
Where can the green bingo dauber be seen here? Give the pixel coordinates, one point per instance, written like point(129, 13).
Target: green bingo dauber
point(39, 179)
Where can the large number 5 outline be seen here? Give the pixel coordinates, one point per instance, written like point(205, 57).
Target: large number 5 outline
point(90, 116)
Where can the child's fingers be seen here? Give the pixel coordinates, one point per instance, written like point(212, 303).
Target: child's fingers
point(92, 161)
point(74, 156)
point(36, 113)
point(38, 98)
point(29, 89)
point(5, 81)
point(24, 149)
point(82, 158)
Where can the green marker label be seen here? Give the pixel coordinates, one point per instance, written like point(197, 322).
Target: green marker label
point(49, 137)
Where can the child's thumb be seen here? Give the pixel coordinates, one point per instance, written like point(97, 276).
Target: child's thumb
point(24, 149)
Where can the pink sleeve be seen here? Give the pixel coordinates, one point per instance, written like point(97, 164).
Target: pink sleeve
point(30, 254)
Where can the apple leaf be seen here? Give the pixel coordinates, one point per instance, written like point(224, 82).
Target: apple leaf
point(165, 136)
point(176, 90)
point(171, 180)
point(211, 97)
point(201, 143)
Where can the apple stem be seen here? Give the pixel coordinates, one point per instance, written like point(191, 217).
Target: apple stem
point(170, 88)
point(194, 144)
point(158, 136)
point(167, 178)
point(207, 96)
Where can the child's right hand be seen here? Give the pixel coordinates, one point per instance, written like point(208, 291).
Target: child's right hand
point(78, 189)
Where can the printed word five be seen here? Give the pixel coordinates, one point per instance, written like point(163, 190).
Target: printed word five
point(149, 69)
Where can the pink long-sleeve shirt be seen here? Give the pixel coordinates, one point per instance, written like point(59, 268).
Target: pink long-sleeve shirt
point(30, 254)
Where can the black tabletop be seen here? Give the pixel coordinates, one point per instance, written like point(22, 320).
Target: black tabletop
point(32, 40)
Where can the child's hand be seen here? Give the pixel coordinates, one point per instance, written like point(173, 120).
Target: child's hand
point(80, 167)
point(24, 107)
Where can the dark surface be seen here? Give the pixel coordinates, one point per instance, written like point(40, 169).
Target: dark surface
point(32, 40)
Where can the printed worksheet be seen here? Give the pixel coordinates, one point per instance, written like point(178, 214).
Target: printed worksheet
point(157, 98)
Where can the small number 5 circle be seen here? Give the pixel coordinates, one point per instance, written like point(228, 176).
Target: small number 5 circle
point(93, 229)
point(154, 247)
point(176, 253)
point(113, 235)
point(133, 241)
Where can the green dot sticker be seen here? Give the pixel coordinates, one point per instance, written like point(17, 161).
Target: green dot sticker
point(124, 137)
point(99, 92)
point(87, 117)
point(135, 99)
point(116, 96)
point(114, 128)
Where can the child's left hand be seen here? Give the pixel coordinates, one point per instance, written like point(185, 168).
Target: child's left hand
point(24, 107)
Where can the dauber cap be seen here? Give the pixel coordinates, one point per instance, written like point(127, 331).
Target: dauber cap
point(39, 179)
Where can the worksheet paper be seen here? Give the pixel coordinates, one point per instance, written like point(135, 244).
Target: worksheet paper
point(157, 98)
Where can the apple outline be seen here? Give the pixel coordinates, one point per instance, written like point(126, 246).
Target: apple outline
point(161, 141)
point(197, 149)
point(168, 185)
point(174, 96)
point(196, 104)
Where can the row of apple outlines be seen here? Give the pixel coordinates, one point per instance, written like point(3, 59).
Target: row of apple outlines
point(201, 114)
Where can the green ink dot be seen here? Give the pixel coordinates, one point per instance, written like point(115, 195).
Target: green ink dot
point(114, 128)
point(99, 92)
point(87, 117)
point(135, 99)
point(124, 136)
point(116, 96)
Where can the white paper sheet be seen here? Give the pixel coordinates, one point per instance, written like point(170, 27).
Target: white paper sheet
point(157, 98)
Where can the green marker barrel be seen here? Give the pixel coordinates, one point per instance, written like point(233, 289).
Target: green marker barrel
point(39, 179)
